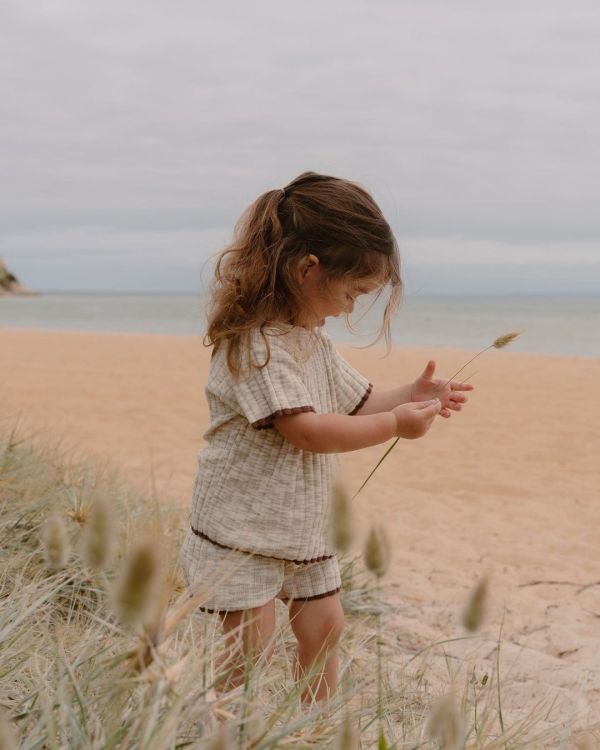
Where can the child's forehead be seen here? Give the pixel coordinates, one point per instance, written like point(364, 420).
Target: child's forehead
point(367, 285)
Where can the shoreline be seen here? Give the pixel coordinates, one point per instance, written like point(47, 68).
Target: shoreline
point(343, 344)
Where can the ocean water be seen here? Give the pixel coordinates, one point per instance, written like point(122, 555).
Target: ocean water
point(550, 324)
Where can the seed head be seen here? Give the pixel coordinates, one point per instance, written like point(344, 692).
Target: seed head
point(342, 521)
point(474, 610)
point(502, 341)
point(444, 724)
point(55, 542)
point(138, 585)
point(377, 551)
point(98, 536)
point(346, 737)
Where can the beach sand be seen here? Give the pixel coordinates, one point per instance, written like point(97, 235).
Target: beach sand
point(509, 486)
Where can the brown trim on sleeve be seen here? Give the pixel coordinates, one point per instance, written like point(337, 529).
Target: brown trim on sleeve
point(258, 554)
point(266, 422)
point(363, 399)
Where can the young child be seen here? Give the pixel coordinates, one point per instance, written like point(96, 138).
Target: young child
point(283, 403)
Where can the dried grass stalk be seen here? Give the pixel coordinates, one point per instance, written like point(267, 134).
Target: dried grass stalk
point(474, 611)
point(505, 339)
point(55, 542)
point(99, 534)
point(342, 519)
point(139, 584)
point(346, 738)
point(499, 343)
point(377, 551)
point(445, 725)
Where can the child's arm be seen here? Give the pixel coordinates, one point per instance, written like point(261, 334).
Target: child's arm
point(339, 433)
point(379, 401)
point(421, 389)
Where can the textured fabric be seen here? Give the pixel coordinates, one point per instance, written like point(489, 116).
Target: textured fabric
point(254, 491)
point(223, 546)
point(245, 580)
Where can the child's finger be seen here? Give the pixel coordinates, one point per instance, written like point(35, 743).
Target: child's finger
point(456, 386)
point(434, 402)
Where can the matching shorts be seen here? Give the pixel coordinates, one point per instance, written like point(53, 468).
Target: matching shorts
point(241, 580)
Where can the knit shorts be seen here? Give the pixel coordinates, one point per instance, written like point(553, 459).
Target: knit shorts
point(241, 580)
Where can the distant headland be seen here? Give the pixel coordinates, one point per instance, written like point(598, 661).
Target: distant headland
point(10, 285)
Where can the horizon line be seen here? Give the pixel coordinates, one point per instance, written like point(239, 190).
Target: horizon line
point(196, 293)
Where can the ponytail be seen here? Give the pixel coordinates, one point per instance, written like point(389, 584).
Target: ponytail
point(254, 283)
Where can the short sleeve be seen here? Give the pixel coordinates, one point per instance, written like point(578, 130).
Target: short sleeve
point(351, 388)
point(273, 390)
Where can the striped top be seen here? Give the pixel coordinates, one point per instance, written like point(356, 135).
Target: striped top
point(254, 490)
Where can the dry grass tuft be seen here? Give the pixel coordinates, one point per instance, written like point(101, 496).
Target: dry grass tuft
point(66, 659)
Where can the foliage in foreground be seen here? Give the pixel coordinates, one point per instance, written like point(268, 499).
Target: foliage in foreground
point(101, 647)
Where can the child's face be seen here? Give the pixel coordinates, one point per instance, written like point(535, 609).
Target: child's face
point(334, 298)
point(340, 297)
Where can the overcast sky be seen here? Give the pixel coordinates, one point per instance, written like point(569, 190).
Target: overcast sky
point(133, 134)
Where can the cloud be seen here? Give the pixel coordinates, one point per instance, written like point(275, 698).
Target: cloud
point(131, 125)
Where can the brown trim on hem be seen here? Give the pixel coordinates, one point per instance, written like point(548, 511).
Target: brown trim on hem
point(220, 611)
point(363, 399)
point(249, 552)
point(295, 599)
point(267, 422)
point(316, 596)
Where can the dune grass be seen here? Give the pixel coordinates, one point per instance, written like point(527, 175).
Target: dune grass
point(101, 645)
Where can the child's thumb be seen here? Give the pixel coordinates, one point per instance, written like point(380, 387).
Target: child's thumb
point(429, 370)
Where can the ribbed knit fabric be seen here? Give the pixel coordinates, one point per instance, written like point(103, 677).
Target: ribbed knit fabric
point(254, 490)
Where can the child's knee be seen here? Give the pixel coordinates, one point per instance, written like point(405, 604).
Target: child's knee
point(323, 631)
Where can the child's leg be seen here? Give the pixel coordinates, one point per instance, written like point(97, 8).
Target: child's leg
point(318, 626)
point(248, 631)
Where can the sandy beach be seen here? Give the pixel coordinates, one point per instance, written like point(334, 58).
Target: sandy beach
point(507, 487)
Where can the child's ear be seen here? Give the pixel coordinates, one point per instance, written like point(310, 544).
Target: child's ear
point(307, 268)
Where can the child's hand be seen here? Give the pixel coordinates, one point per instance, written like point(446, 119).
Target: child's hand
point(426, 387)
point(414, 419)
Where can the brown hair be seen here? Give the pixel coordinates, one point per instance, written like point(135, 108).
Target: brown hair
point(254, 282)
